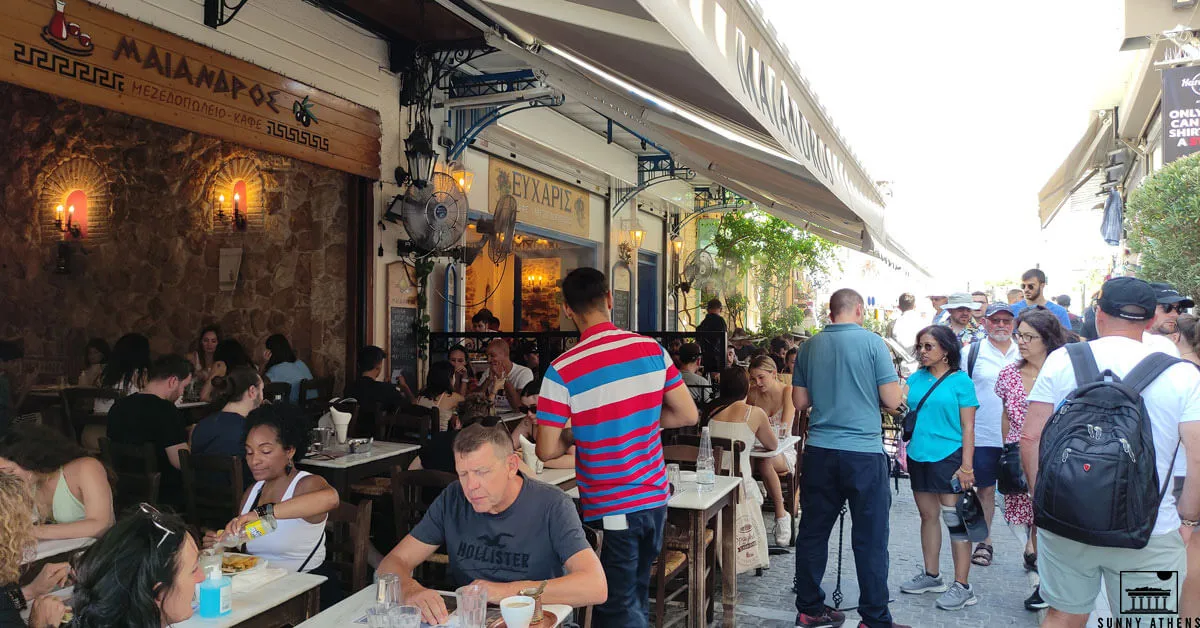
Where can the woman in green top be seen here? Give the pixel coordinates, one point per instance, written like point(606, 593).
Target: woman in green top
point(940, 455)
point(71, 490)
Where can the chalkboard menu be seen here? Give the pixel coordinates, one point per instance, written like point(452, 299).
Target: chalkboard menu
point(403, 346)
point(621, 308)
point(622, 295)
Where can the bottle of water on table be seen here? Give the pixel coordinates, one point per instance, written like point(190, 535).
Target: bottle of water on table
point(705, 464)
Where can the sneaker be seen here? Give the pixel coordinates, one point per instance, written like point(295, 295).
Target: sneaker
point(924, 583)
point(1035, 602)
point(783, 530)
point(956, 597)
point(829, 618)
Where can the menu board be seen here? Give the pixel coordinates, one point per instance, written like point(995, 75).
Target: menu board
point(403, 345)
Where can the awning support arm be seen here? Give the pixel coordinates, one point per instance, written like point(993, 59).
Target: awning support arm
point(652, 170)
point(468, 135)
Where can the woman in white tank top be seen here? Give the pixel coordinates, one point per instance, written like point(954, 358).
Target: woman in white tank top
point(775, 398)
point(299, 501)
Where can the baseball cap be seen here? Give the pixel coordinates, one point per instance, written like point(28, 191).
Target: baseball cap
point(689, 352)
point(1165, 293)
point(996, 308)
point(971, 512)
point(961, 299)
point(1127, 297)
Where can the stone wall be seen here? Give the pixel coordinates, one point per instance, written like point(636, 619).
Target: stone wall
point(149, 264)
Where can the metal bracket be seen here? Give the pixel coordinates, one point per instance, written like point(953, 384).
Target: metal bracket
point(463, 86)
point(220, 12)
point(467, 136)
point(652, 170)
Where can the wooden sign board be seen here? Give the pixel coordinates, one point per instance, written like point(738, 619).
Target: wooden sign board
point(541, 201)
point(80, 51)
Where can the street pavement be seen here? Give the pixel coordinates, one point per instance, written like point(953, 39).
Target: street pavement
point(768, 600)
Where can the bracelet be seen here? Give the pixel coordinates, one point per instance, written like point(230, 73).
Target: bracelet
point(265, 509)
point(967, 471)
point(1189, 523)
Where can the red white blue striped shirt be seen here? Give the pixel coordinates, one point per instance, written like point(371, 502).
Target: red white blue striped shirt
point(609, 390)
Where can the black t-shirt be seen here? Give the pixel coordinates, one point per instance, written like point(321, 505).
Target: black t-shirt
point(144, 418)
point(219, 434)
point(371, 392)
point(711, 350)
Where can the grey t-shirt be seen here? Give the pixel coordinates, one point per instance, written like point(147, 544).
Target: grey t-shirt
point(531, 540)
point(700, 395)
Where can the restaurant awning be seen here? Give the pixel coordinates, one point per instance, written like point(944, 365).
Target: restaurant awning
point(710, 82)
point(1083, 160)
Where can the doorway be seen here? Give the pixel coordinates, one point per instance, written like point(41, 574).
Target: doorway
point(647, 298)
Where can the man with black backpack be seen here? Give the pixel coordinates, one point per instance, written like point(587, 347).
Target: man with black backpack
point(1106, 419)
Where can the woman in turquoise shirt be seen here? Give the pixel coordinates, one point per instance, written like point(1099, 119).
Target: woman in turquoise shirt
point(940, 452)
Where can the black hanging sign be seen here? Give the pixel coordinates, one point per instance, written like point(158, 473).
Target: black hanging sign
point(1180, 112)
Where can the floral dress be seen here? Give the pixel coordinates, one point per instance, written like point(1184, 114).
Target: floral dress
point(1018, 509)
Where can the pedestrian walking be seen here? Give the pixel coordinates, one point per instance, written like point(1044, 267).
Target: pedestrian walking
point(940, 458)
point(1139, 524)
point(610, 394)
point(1160, 335)
point(844, 374)
point(985, 358)
point(1038, 334)
point(1033, 285)
point(961, 320)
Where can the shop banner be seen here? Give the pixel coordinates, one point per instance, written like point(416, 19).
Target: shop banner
point(1180, 112)
point(77, 50)
point(541, 201)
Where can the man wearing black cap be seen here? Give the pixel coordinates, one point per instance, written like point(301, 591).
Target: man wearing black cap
point(1170, 305)
point(1071, 571)
point(689, 370)
point(713, 350)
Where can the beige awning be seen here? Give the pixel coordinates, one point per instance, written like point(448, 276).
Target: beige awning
point(1088, 155)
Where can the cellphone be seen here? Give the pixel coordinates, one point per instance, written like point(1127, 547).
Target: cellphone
point(955, 484)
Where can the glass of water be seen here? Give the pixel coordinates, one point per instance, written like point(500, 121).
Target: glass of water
point(472, 606)
point(379, 616)
point(674, 477)
point(405, 617)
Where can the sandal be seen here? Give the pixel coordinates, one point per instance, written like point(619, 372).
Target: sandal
point(1031, 561)
point(982, 555)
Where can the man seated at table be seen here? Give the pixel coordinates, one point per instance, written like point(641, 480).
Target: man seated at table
point(372, 393)
point(501, 530)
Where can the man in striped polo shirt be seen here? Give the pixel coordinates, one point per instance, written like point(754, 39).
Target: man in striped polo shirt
point(609, 395)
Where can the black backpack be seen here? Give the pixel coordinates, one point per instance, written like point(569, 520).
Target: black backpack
point(1097, 482)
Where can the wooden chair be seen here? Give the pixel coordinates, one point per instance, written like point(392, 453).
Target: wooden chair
point(212, 488)
point(412, 494)
point(77, 405)
point(136, 466)
point(674, 560)
point(347, 532)
point(323, 386)
point(595, 538)
point(411, 424)
point(277, 391)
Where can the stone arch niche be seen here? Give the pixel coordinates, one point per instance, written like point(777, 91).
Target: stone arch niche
point(241, 181)
point(79, 181)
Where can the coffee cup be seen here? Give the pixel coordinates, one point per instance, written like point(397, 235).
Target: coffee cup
point(517, 611)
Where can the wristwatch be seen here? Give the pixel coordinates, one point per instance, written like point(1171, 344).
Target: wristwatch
point(265, 509)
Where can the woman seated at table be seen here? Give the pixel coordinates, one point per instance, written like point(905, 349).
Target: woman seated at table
point(15, 545)
point(775, 398)
point(275, 438)
point(464, 379)
point(71, 490)
point(142, 574)
point(204, 355)
point(526, 430)
point(280, 364)
point(95, 356)
point(125, 371)
point(220, 433)
point(440, 393)
point(228, 355)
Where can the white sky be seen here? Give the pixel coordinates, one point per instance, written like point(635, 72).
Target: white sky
point(968, 108)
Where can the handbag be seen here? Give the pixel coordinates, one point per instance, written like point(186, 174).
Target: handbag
point(910, 419)
point(1011, 479)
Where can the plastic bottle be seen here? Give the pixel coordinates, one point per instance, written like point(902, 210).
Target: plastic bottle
point(215, 595)
point(705, 465)
point(253, 530)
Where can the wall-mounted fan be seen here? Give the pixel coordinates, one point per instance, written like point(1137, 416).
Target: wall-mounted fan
point(699, 271)
point(500, 229)
point(435, 217)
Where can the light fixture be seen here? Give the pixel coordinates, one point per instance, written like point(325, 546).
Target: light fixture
point(418, 150)
point(632, 233)
point(70, 226)
point(678, 244)
point(465, 178)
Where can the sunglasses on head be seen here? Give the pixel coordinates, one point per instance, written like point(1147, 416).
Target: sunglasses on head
point(156, 519)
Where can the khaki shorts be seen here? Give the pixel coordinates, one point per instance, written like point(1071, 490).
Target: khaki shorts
point(1070, 571)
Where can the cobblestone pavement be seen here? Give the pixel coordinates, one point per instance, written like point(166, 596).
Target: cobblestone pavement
point(768, 601)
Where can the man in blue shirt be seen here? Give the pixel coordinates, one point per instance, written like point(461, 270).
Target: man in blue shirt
point(1033, 284)
point(845, 375)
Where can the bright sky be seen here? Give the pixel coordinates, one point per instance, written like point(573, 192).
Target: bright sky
point(967, 107)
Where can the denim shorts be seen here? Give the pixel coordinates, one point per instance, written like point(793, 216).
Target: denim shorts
point(934, 477)
point(987, 465)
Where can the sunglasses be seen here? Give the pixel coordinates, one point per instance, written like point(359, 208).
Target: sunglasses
point(927, 347)
point(156, 518)
point(528, 409)
point(1167, 308)
point(1029, 286)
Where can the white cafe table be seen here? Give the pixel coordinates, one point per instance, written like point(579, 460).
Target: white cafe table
point(693, 509)
point(59, 549)
point(346, 469)
point(352, 611)
point(283, 602)
point(562, 478)
point(784, 445)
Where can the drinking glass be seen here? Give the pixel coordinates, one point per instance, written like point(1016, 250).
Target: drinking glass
point(406, 617)
point(674, 477)
point(379, 616)
point(387, 590)
point(472, 606)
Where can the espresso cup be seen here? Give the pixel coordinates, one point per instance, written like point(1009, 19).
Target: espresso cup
point(517, 611)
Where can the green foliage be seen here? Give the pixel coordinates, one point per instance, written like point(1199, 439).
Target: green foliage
point(1163, 219)
point(772, 249)
point(789, 318)
point(735, 305)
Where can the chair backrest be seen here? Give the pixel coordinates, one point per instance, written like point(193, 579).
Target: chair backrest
point(347, 533)
point(411, 424)
point(685, 456)
point(412, 494)
point(323, 387)
point(136, 467)
point(212, 487)
point(724, 444)
point(277, 391)
point(77, 405)
point(595, 538)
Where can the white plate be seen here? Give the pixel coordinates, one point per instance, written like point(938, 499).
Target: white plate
point(259, 566)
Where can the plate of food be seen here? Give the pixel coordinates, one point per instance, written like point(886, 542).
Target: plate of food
point(233, 564)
